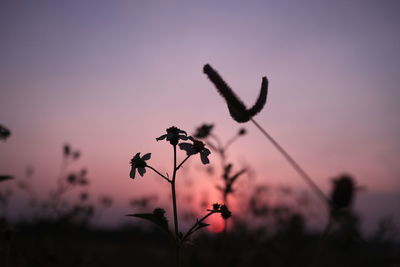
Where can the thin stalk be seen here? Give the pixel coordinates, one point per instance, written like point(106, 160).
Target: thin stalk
point(180, 165)
point(163, 176)
point(193, 228)
point(220, 150)
point(294, 164)
point(230, 141)
point(175, 208)
point(225, 221)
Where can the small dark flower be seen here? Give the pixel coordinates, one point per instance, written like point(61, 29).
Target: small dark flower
point(173, 135)
point(196, 147)
point(4, 133)
point(242, 131)
point(216, 206)
point(203, 131)
point(67, 150)
point(225, 212)
point(140, 164)
point(72, 179)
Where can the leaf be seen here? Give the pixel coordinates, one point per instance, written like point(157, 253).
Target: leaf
point(5, 178)
point(157, 217)
point(202, 225)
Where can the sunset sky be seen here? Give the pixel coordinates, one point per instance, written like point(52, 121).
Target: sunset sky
point(108, 77)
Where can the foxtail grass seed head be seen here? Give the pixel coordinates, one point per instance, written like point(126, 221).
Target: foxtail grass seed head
point(236, 107)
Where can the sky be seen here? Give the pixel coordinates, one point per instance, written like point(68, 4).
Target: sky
point(108, 77)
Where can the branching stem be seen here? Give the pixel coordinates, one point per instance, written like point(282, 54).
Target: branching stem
point(163, 176)
point(194, 228)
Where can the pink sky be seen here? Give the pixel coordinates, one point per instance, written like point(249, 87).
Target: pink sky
point(110, 77)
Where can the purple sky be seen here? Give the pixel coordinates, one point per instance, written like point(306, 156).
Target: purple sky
point(110, 76)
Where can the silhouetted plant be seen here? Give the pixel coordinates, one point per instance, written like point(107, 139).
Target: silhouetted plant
point(229, 178)
point(342, 220)
point(4, 134)
point(57, 206)
point(175, 136)
point(241, 114)
point(341, 202)
point(25, 184)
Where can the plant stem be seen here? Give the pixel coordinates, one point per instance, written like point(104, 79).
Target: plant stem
point(175, 208)
point(193, 228)
point(225, 197)
point(294, 164)
point(163, 176)
point(180, 165)
point(230, 141)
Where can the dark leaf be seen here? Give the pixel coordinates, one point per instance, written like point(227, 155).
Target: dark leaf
point(156, 218)
point(202, 225)
point(5, 178)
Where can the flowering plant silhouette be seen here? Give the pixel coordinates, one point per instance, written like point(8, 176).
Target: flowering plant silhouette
point(175, 136)
point(217, 145)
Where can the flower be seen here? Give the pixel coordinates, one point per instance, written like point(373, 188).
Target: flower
point(173, 135)
point(223, 209)
point(196, 147)
point(72, 179)
point(216, 206)
point(203, 131)
point(139, 163)
point(4, 133)
point(225, 212)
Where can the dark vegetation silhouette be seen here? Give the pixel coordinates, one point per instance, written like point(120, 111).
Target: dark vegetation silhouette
point(176, 138)
point(5, 133)
point(271, 225)
point(229, 177)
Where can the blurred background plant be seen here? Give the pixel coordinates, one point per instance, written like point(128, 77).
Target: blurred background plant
point(229, 178)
